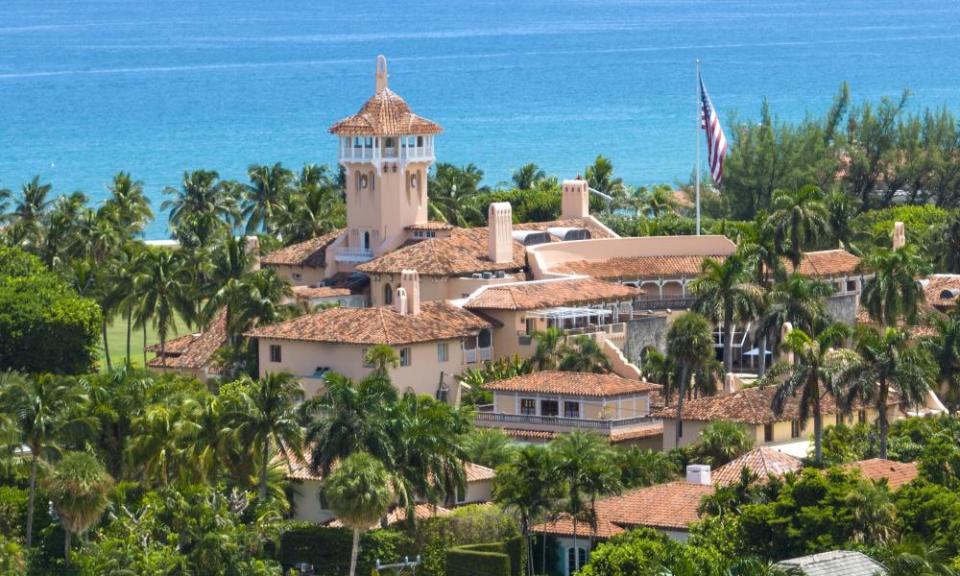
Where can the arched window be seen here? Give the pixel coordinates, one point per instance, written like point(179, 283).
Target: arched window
point(387, 294)
point(572, 561)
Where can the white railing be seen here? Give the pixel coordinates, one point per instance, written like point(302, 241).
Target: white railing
point(347, 254)
point(367, 154)
point(357, 153)
point(471, 355)
point(487, 418)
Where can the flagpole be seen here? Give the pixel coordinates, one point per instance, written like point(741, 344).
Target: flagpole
point(696, 142)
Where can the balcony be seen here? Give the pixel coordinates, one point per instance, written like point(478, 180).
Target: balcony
point(531, 421)
point(347, 254)
point(375, 149)
point(474, 355)
point(665, 303)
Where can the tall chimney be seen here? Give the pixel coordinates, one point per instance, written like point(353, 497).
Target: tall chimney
point(899, 235)
point(500, 232)
point(576, 199)
point(410, 283)
point(381, 73)
point(699, 474)
point(400, 302)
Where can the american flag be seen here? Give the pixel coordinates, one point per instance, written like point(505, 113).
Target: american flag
point(716, 141)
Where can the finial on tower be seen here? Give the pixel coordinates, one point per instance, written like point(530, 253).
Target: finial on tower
point(381, 73)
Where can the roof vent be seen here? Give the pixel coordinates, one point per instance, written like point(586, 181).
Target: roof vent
point(531, 237)
point(698, 474)
point(949, 293)
point(566, 233)
point(501, 274)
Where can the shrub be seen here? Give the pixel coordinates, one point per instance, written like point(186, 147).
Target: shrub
point(13, 511)
point(328, 549)
point(479, 560)
point(467, 525)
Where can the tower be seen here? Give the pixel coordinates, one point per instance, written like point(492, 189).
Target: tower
point(386, 151)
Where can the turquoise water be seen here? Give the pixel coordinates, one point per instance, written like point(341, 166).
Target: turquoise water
point(157, 87)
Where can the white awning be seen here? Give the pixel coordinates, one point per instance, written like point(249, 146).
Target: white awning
point(566, 312)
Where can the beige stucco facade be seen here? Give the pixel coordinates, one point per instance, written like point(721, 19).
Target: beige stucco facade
point(300, 275)
point(432, 288)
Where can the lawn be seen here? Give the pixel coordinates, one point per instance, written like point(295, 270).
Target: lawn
point(117, 340)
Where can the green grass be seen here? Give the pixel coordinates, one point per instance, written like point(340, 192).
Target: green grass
point(117, 341)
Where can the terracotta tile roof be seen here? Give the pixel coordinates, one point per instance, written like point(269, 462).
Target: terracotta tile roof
point(671, 506)
point(311, 253)
point(747, 406)
point(310, 292)
point(942, 290)
point(896, 473)
point(618, 435)
point(681, 199)
point(572, 383)
point(194, 351)
point(477, 473)
point(825, 263)
point(399, 514)
point(763, 461)
point(521, 434)
point(385, 114)
point(381, 325)
point(465, 251)
point(432, 225)
point(915, 331)
point(638, 267)
point(549, 293)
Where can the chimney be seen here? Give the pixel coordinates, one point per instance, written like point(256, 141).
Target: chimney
point(730, 383)
point(899, 235)
point(381, 73)
point(785, 356)
point(410, 284)
point(698, 474)
point(576, 199)
point(400, 302)
point(500, 232)
point(251, 245)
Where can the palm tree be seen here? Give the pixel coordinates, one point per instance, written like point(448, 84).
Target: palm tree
point(600, 176)
point(128, 205)
point(358, 493)
point(65, 222)
point(527, 176)
point(201, 207)
point(841, 209)
point(799, 219)
point(947, 244)
point(162, 288)
point(726, 294)
point(382, 357)
point(690, 348)
point(813, 374)
point(207, 436)
point(526, 484)
point(155, 446)
point(887, 361)
point(315, 207)
point(874, 514)
point(894, 291)
point(78, 489)
point(452, 194)
point(44, 410)
point(269, 414)
point(799, 300)
point(551, 345)
point(265, 195)
point(586, 464)
point(489, 447)
point(585, 355)
point(29, 214)
point(659, 200)
point(720, 442)
point(117, 398)
point(121, 275)
point(944, 346)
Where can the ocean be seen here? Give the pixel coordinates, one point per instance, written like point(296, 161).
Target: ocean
point(157, 87)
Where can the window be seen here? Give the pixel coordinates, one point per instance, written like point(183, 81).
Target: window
point(387, 294)
point(484, 339)
point(420, 141)
point(275, 355)
point(768, 432)
point(531, 326)
point(461, 496)
point(549, 408)
point(851, 285)
point(571, 409)
point(528, 406)
point(297, 276)
point(443, 351)
point(404, 356)
point(576, 559)
point(795, 429)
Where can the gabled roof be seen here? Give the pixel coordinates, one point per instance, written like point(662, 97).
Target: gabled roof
point(670, 506)
point(381, 325)
point(385, 114)
point(572, 383)
point(763, 461)
point(311, 253)
point(895, 473)
point(826, 263)
point(541, 294)
point(477, 473)
point(465, 251)
point(193, 351)
point(835, 563)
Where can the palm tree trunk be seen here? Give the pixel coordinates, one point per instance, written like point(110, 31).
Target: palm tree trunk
point(33, 495)
point(129, 329)
point(106, 345)
point(576, 550)
point(681, 390)
point(882, 418)
point(66, 547)
point(354, 551)
point(264, 463)
point(763, 355)
point(817, 432)
point(543, 553)
point(144, 344)
point(728, 345)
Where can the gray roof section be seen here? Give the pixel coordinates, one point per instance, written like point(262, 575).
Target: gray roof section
point(836, 563)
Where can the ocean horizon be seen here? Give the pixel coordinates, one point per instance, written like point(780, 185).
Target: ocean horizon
point(92, 87)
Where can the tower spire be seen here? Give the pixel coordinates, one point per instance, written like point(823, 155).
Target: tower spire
point(381, 73)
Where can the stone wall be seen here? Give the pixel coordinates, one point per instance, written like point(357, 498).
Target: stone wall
point(644, 331)
point(843, 308)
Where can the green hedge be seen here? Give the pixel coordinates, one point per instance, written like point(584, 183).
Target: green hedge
point(478, 560)
point(13, 511)
point(328, 549)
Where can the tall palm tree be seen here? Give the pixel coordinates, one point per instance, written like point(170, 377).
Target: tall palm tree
point(162, 288)
point(315, 207)
point(551, 346)
point(600, 177)
point(526, 484)
point(659, 200)
point(887, 361)
point(44, 410)
point(944, 346)
point(358, 493)
point(265, 195)
point(813, 374)
point(527, 176)
point(452, 194)
point(726, 294)
point(721, 441)
point(117, 398)
point(207, 435)
point(586, 465)
point(269, 416)
point(841, 209)
point(894, 292)
point(121, 273)
point(78, 488)
point(65, 222)
point(155, 445)
point(799, 219)
point(29, 214)
point(585, 355)
point(128, 206)
point(202, 207)
point(690, 348)
point(947, 244)
point(799, 300)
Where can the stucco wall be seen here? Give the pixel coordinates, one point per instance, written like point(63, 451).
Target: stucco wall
point(644, 331)
point(306, 502)
point(299, 275)
point(843, 307)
